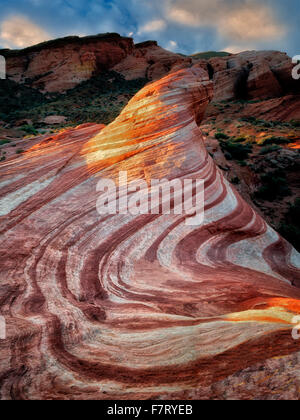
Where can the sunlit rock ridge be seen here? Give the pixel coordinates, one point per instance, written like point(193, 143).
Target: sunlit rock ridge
point(123, 306)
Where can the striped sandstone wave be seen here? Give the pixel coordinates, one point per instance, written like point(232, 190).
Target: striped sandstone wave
point(123, 306)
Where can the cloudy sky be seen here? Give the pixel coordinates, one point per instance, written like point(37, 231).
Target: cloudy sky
point(185, 26)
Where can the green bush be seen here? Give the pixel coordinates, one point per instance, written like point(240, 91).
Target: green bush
point(94, 100)
point(269, 149)
point(270, 124)
point(235, 180)
point(294, 212)
point(290, 226)
point(29, 129)
point(210, 54)
point(291, 233)
point(4, 141)
point(295, 123)
point(19, 151)
point(221, 136)
point(239, 139)
point(274, 185)
point(242, 163)
point(251, 120)
point(228, 156)
point(238, 151)
point(276, 140)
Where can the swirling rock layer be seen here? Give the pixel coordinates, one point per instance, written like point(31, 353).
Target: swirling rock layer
point(123, 306)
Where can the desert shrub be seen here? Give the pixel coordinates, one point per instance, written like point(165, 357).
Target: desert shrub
point(241, 101)
point(235, 180)
point(294, 211)
point(242, 162)
point(238, 151)
point(291, 233)
point(269, 149)
point(4, 141)
point(240, 139)
point(265, 124)
point(210, 54)
point(95, 100)
point(29, 129)
point(276, 140)
point(274, 185)
point(254, 101)
point(19, 151)
point(295, 123)
point(269, 124)
point(228, 156)
point(221, 136)
point(251, 120)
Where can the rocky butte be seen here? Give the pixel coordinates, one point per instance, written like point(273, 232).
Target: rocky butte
point(61, 64)
point(123, 306)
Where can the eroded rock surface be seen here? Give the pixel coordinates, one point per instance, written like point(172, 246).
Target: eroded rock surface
point(59, 65)
point(123, 306)
point(150, 61)
point(62, 64)
point(252, 75)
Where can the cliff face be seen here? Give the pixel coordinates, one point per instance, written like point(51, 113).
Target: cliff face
point(59, 65)
point(252, 75)
point(62, 64)
point(150, 61)
point(144, 306)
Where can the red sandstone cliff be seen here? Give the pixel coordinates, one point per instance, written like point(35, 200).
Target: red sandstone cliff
point(59, 65)
point(150, 61)
point(252, 75)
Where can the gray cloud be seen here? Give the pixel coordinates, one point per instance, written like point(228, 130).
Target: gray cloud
point(183, 25)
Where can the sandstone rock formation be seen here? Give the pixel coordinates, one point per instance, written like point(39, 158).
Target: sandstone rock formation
point(284, 108)
point(59, 65)
point(54, 119)
point(123, 306)
point(150, 61)
point(252, 75)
